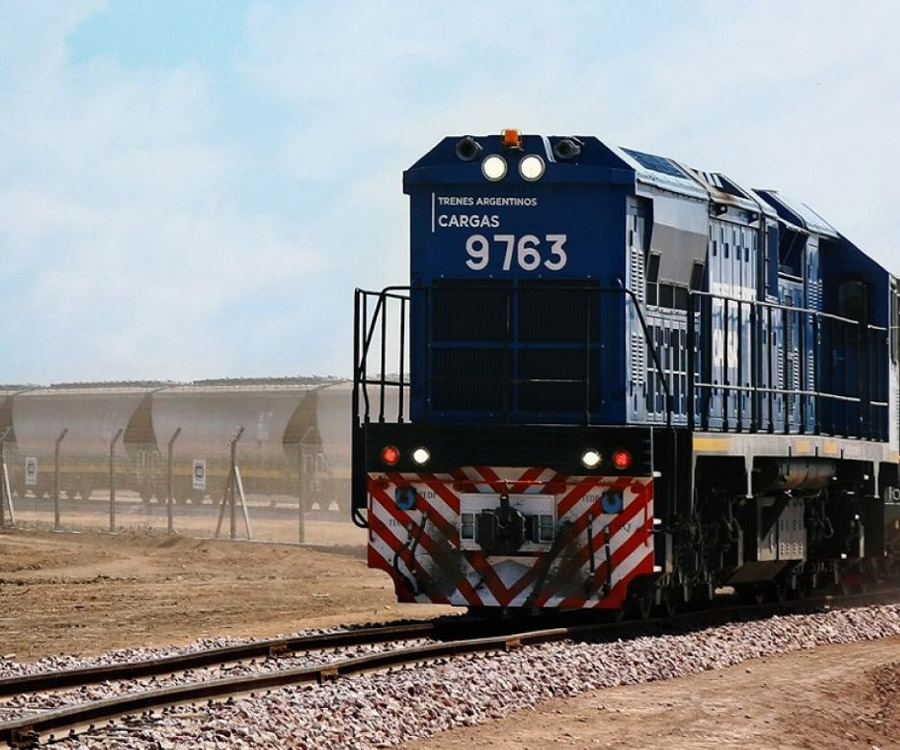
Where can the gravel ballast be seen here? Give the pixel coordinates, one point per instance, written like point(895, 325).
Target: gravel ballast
point(380, 710)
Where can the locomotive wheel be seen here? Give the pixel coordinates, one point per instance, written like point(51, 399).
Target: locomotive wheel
point(871, 576)
point(852, 583)
point(670, 601)
point(804, 588)
point(644, 605)
point(701, 596)
point(750, 594)
point(640, 602)
point(487, 613)
point(779, 591)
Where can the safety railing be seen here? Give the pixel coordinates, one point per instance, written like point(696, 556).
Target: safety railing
point(531, 384)
point(749, 366)
point(768, 367)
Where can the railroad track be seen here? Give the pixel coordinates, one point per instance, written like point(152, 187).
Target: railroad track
point(450, 637)
point(217, 656)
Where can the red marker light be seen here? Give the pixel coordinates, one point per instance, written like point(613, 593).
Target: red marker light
point(621, 460)
point(390, 455)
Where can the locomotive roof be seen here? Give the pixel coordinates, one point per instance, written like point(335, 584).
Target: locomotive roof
point(673, 175)
point(660, 172)
point(651, 172)
point(798, 213)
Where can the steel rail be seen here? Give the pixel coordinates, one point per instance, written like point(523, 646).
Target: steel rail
point(25, 731)
point(32, 683)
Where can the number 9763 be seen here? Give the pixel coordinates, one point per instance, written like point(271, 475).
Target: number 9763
point(527, 252)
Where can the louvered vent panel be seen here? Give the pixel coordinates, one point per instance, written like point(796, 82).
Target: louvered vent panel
point(779, 359)
point(815, 295)
point(637, 284)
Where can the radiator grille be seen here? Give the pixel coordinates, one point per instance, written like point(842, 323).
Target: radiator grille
point(529, 348)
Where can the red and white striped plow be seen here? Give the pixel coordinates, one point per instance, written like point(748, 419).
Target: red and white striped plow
point(420, 532)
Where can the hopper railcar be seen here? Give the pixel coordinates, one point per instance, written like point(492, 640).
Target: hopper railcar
point(617, 381)
point(292, 441)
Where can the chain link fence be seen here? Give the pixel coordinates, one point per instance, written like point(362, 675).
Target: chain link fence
point(264, 460)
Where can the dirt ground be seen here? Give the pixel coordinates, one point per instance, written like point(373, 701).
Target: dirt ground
point(82, 593)
point(833, 698)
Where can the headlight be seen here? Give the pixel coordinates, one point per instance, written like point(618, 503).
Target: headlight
point(591, 459)
point(494, 168)
point(531, 168)
point(421, 456)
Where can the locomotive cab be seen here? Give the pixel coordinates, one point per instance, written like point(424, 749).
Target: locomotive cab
point(519, 320)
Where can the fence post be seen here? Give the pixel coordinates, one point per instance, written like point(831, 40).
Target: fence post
point(301, 524)
point(5, 496)
point(61, 437)
point(233, 477)
point(233, 485)
point(169, 498)
point(7, 490)
point(112, 479)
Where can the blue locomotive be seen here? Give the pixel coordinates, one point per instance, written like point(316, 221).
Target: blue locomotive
point(616, 381)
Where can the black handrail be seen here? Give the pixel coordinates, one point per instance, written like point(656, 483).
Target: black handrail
point(811, 323)
point(367, 326)
point(764, 387)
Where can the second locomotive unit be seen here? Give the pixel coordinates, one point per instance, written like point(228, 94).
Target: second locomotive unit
point(616, 381)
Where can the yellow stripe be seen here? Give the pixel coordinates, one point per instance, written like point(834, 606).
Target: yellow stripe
point(712, 444)
point(802, 446)
point(830, 448)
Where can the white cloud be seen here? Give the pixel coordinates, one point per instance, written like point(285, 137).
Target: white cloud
point(792, 96)
point(124, 247)
point(129, 248)
point(795, 96)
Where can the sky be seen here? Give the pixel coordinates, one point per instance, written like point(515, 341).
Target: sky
point(193, 188)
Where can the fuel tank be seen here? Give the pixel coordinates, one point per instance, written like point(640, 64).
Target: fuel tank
point(793, 474)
